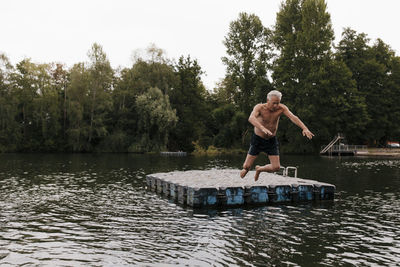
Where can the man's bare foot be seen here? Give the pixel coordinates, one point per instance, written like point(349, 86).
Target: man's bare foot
point(243, 172)
point(257, 173)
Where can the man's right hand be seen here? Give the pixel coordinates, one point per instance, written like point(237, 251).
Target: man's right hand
point(266, 131)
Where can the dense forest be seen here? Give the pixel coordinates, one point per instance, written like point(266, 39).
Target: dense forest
point(352, 87)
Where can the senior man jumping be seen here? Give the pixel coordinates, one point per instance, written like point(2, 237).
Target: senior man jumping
point(265, 119)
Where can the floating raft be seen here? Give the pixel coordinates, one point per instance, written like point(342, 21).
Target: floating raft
point(224, 187)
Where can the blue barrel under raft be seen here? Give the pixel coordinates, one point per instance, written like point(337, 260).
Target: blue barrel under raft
point(225, 188)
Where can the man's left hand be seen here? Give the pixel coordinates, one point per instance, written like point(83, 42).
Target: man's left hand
point(308, 134)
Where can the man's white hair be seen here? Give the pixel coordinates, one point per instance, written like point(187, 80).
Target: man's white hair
point(274, 93)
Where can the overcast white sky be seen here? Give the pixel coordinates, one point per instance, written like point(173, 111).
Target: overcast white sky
point(64, 30)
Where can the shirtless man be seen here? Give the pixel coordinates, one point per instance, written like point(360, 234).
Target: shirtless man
point(265, 118)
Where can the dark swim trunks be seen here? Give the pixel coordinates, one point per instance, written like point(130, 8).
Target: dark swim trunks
point(259, 144)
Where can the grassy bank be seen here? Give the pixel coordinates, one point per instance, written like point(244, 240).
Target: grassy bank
point(214, 151)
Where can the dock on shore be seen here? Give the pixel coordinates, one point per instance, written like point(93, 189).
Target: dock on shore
point(224, 187)
point(379, 152)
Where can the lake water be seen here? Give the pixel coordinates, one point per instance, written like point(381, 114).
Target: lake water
point(94, 210)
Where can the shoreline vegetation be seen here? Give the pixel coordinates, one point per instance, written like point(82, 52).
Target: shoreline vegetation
point(214, 151)
point(161, 104)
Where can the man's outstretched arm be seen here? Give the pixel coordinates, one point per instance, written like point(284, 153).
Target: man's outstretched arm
point(306, 132)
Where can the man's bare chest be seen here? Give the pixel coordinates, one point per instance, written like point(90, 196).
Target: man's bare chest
point(269, 117)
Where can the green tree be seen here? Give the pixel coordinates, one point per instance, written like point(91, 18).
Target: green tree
point(188, 98)
point(313, 84)
point(247, 61)
point(374, 84)
point(353, 49)
point(231, 123)
point(38, 106)
point(100, 86)
point(152, 70)
point(156, 119)
point(394, 96)
point(27, 83)
point(9, 128)
point(61, 80)
point(47, 109)
point(224, 92)
point(341, 107)
point(77, 106)
point(123, 123)
point(373, 68)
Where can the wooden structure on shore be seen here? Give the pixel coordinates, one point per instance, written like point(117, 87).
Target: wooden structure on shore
point(334, 149)
point(346, 150)
point(224, 188)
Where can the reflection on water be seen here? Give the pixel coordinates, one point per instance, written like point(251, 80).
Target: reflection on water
point(79, 210)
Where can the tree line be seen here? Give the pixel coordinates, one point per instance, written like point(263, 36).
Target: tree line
point(157, 104)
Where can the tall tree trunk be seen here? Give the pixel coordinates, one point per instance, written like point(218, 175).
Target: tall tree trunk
point(92, 115)
point(65, 108)
point(23, 119)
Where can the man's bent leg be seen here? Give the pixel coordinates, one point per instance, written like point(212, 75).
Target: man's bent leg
point(274, 166)
point(247, 165)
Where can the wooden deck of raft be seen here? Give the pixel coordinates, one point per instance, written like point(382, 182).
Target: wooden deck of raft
point(224, 187)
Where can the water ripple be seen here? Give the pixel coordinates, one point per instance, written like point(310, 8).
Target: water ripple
point(91, 215)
